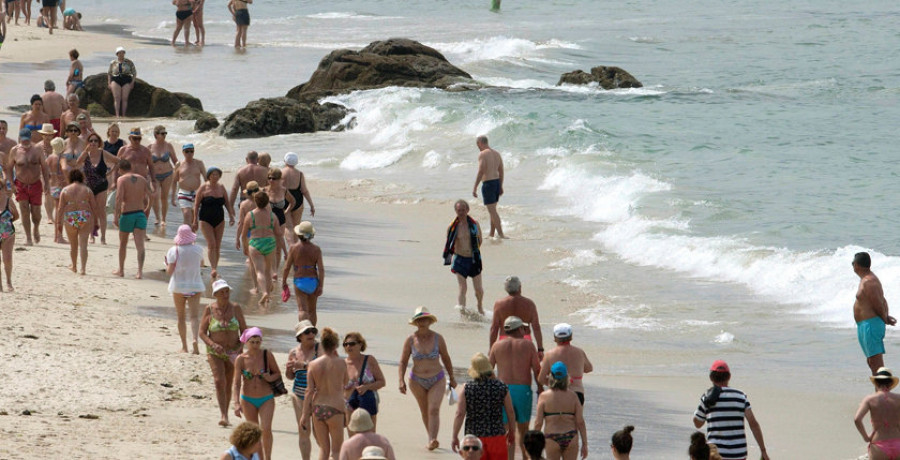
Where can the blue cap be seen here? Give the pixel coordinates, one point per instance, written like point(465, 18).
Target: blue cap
point(559, 370)
point(187, 146)
point(25, 133)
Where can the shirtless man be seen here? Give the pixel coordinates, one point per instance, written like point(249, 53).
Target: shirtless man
point(251, 171)
point(490, 174)
point(74, 112)
point(870, 311)
point(462, 253)
point(884, 443)
point(189, 175)
point(54, 104)
point(515, 304)
point(295, 182)
point(574, 358)
point(6, 144)
point(138, 156)
point(364, 436)
point(517, 363)
point(26, 161)
point(132, 207)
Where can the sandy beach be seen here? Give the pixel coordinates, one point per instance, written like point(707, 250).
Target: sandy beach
point(93, 370)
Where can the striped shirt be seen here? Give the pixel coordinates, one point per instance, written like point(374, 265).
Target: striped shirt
point(725, 422)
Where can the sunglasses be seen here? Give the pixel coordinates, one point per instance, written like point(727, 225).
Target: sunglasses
point(94, 141)
point(474, 448)
point(350, 344)
point(162, 133)
point(189, 151)
point(73, 130)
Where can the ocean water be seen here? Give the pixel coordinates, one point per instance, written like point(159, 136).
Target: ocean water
point(715, 209)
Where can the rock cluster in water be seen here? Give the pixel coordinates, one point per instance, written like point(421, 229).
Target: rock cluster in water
point(606, 77)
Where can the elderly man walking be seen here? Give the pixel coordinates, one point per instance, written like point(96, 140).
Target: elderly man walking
point(517, 363)
point(574, 358)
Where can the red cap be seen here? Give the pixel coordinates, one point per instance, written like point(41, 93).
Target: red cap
point(720, 366)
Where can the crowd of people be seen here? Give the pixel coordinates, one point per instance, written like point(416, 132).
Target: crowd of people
point(48, 17)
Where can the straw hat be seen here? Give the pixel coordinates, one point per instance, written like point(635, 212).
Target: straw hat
point(47, 128)
point(360, 421)
point(304, 326)
point(373, 453)
point(420, 313)
point(884, 374)
point(480, 365)
point(306, 229)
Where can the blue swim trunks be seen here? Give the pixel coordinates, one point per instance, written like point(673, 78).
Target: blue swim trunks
point(132, 220)
point(465, 266)
point(306, 285)
point(870, 333)
point(490, 191)
point(522, 398)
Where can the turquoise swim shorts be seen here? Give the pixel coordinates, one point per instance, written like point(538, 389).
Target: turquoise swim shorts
point(522, 398)
point(870, 333)
point(132, 220)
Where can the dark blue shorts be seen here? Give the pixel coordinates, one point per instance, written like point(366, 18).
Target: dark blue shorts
point(465, 266)
point(490, 191)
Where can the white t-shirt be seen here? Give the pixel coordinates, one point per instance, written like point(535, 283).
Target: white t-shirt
point(187, 278)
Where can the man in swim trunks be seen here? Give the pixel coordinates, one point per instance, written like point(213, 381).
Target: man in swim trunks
point(574, 358)
point(189, 175)
point(515, 304)
point(870, 311)
point(885, 409)
point(54, 104)
point(462, 253)
point(132, 207)
point(32, 179)
point(490, 174)
point(139, 156)
point(723, 410)
point(517, 363)
point(251, 171)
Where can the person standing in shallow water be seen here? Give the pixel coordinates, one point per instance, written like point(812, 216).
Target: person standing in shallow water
point(241, 16)
point(461, 252)
point(490, 175)
point(870, 311)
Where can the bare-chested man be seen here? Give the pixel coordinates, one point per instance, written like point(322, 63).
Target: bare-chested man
point(462, 253)
point(6, 144)
point(884, 442)
point(189, 175)
point(575, 359)
point(132, 206)
point(870, 311)
point(251, 171)
point(54, 104)
point(74, 111)
point(517, 364)
point(515, 304)
point(26, 161)
point(138, 156)
point(490, 174)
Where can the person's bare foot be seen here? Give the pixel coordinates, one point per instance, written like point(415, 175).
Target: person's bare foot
point(29, 243)
point(196, 350)
point(139, 276)
point(183, 349)
point(9, 287)
point(481, 311)
point(264, 301)
point(83, 273)
point(74, 270)
point(118, 273)
point(37, 236)
point(253, 291)
point(163, 223)
point(434, 444)
point(224, 422)
point(214, 274)
point(103, 241)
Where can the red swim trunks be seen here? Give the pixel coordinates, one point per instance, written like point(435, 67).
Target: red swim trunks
point(55, 123)
point(32, 193)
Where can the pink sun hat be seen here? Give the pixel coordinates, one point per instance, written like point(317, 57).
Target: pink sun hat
point(185, 236)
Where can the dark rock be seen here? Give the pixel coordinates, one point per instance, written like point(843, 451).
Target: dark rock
point(19, 108)
point(145, 100)
point(282, 115)
point(205, 124)
point(97, 110)
point(393, 62)
point(606, 77)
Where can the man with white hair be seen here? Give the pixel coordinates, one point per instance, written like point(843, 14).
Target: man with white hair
point(365, 436)
point(75, 110)
point(471, 448)
point(515, 304)
point(54, 104)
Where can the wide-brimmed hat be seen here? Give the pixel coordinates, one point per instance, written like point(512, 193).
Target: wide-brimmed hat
point(219, 284)
point(373, 453)
point(304, 326)
point(185, 236)
point(512, 323)
point(58, 145)
point(420, 313)
point(884, 374)
point(306, 229)
point(480, 365)
point(360, 421)
point(291, 159)
point(47, 128)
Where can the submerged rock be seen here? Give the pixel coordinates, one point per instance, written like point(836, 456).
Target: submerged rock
point(282, 115)
point(606, 77)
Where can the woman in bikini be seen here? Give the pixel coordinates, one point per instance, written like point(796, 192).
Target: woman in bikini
point(164, 159)
point(76, 74)
point(297, 365)
point(243, 209)
point(326, 378)
point(185, 8)
point(209, 211)
point(263, 245)
point(294, 181)
point(254, 369)
point(305, 258)
point(427, 378)
point(186, 283)
point(35, 118)
point(8, 215)
point(57, 180)
point(560, 417)
point(365, 374)
point(221, 327)
point(884, 407)
point(97, 165)
point(76, 211)
point(280, 200)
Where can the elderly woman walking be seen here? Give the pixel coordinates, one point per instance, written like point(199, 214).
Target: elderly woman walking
point(222, 324)
point(183, 263)
point(481, 404)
